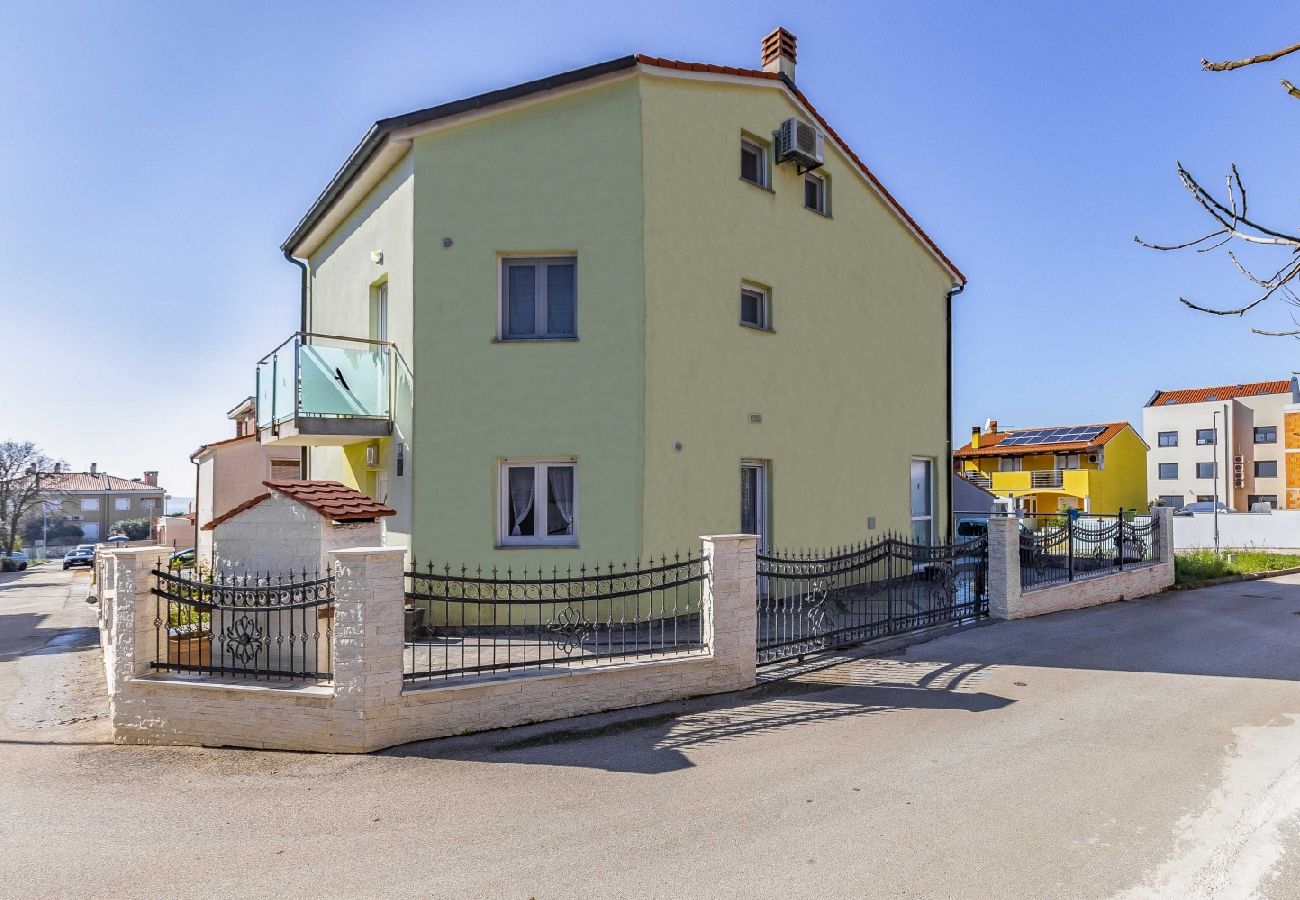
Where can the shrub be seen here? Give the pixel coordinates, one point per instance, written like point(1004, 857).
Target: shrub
point(1201, 565)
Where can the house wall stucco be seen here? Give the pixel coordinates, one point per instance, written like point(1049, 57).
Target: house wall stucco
point(343, 275)
point(851, 383)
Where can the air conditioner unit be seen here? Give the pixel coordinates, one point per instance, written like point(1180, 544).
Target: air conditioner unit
point(1094, 458)
point(800, 143)
point(372, 456)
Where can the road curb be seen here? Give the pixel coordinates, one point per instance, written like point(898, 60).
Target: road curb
point(1229, 579)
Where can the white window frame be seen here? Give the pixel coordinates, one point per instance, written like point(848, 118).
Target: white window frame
point(762, 512)
point(90, 504)
point(764, 173)
point(540, 509)
point(122, 504)
point(148, 503)
point(764, 305)
point(823, 193)
point(539, 297)
point(930, 519)
point(379, 311)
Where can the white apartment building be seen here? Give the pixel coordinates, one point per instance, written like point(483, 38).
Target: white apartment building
point(1232, 437)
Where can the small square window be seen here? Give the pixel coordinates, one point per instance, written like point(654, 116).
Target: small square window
point(539, 299)
point(753, 162)
point(282, 469)
point(1168, 439)
point(121, 503)
point(1205, 436)
point(539, 503)
point(1266, 434)
point(814, 192)
point(1168, 471)
point(754, 310)
point(1205, 470)
point(90, 504)
point(1266, 468)
point(148, 503)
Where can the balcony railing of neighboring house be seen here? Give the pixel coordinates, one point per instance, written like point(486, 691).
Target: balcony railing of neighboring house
point(979, 479)
point(325, 387)
point(1069, 481)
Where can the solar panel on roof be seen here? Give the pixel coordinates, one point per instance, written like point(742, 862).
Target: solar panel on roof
point(1070, 435)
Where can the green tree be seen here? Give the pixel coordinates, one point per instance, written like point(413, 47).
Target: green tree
point(135, 529)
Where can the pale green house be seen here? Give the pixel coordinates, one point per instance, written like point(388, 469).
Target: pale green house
point(594, 316)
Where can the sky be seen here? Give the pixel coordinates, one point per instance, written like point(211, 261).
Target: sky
point(153, 157)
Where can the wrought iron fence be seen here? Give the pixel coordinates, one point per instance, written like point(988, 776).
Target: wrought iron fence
point(1061, 548)
point(818, 601)
point(244, 626)
point(463, 623)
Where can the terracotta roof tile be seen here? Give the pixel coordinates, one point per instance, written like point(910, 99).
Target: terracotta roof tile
point(1225, 392)
point(72, 482)
point(236, 510)
point(332, 500)
point(989, 443)
point(205, 447)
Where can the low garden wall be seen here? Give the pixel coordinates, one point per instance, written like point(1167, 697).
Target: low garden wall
point(368, 704)
point(1009, 600)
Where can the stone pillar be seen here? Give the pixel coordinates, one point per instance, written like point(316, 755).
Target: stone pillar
point(1004, 567)
point(368, 635)
point(135, 611)
point(1165, 532)
point(729, 607)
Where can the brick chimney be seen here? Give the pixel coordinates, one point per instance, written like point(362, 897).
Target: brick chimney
point(778, 53)
point(151, 479)
point(993, 426)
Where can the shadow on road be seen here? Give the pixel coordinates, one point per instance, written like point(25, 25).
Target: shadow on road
point(651, 744)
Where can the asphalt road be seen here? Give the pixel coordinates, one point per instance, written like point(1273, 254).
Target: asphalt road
point(1144, 749)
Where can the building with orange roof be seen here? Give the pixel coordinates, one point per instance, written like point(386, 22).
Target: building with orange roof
point(1098, 468)
point(96, 502)
point(1226, 442)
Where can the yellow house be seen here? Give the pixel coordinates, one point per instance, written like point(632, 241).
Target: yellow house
point(1092, 468)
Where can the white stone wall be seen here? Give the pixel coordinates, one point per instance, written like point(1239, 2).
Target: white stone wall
point(1007, 600)
point(1276, 530)
point(280, 535)
point(368, 705)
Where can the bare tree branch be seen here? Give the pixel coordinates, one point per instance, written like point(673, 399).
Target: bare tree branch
point(1291, 89)
point(1229, 65)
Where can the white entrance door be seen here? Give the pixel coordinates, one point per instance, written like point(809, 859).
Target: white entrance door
point(753, 501)
point(922, 492)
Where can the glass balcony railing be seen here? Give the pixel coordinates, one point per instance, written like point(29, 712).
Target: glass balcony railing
point(329, 385)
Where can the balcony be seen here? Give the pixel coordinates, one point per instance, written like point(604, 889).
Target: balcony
point(1074, 482)
point(317, 390)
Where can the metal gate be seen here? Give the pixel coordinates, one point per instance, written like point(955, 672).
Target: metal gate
point(809, 602)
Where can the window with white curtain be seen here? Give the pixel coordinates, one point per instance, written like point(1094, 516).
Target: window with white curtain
point(539, 298)
point(538, 502)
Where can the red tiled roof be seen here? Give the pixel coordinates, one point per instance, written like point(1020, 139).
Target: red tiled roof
point(1226, 392)
point(332, 500)
point(236, 510)
point(661, 63)
point(206, 447)
point(72, 482)
point(989, 443)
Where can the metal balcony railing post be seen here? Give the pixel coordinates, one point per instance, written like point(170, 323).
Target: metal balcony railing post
point(1119, 537)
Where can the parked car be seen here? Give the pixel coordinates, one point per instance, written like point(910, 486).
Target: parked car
point(82, 556)
point(14, 562)
point(1201, 506)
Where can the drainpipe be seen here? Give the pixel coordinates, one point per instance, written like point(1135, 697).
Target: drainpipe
point(304, 456)
point(947, 475)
